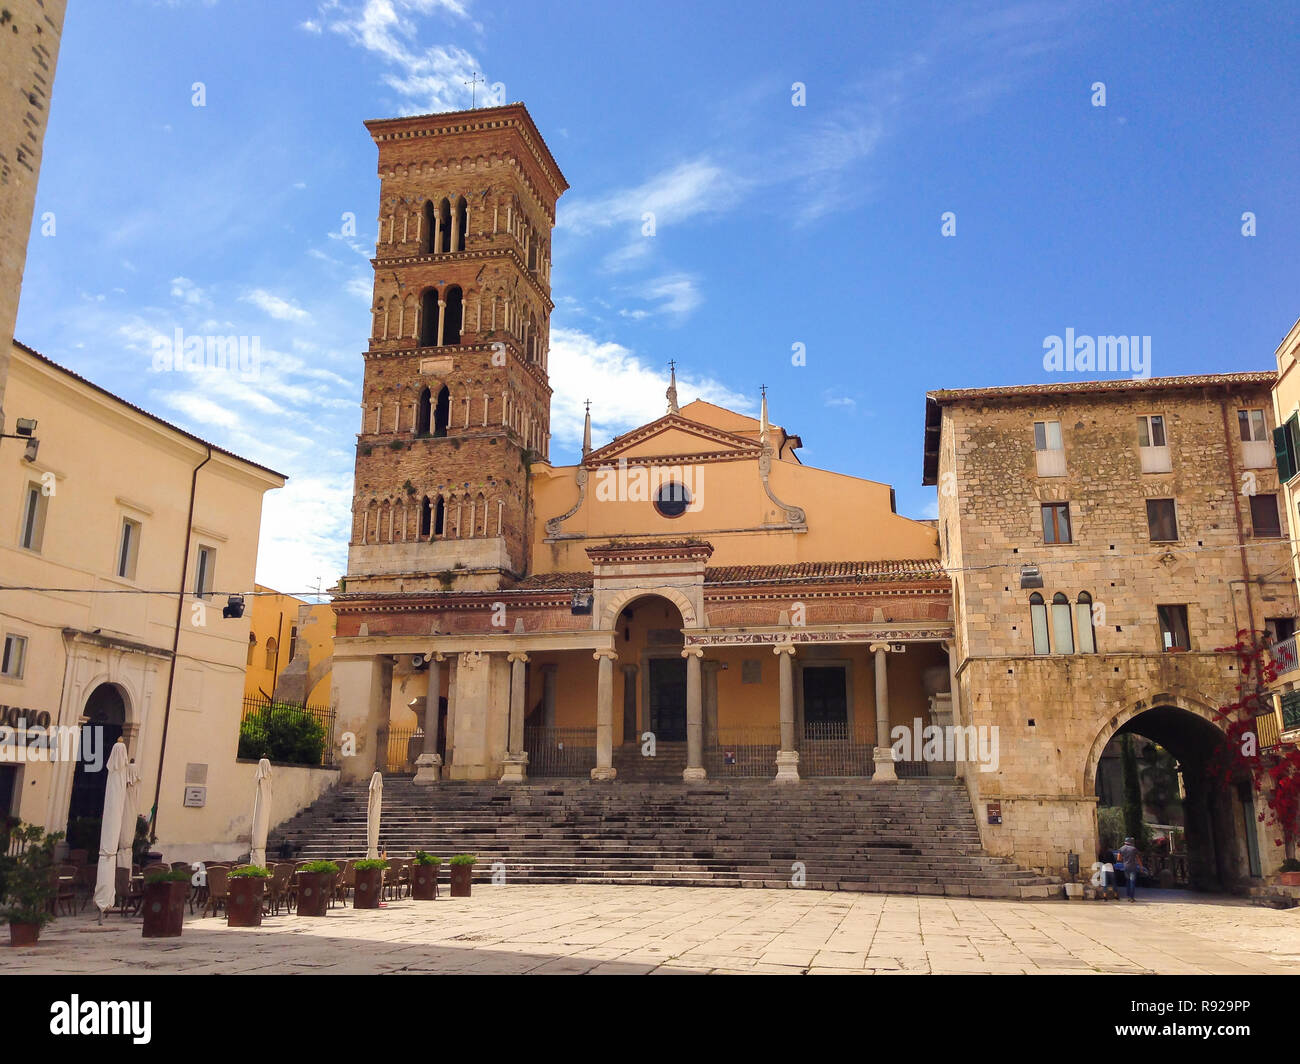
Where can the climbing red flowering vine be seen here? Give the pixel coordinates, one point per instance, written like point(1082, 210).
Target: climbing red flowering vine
point(1274, 772)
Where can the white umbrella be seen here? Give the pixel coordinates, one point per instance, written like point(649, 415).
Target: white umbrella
point(130, 811)
point(372, 814)
point(261, 814)
point(110, 831)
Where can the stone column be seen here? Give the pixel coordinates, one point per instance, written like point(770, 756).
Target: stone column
point(428, 764)
point(455, 227)
point(442, 319)
point(629, 703)
point(604, 769)
point(954, 690)
point(362, 690)
point(516, 759)
point(787, 758)
point(694, 716)
point(549, 673)
point(435, 244)
point(710, 701)
point(884, 753)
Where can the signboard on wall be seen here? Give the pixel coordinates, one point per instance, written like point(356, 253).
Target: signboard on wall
point(995, 812)
point(196, 797)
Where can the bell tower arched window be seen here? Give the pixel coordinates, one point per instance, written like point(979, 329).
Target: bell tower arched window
point(462, 222)
point(454, 314)
point(1038, 622)
point(429, 318)
point(1062, 624)
point(428, 244)
point(426, 518)
point(444, 221)
point(441, 412)
point(422, 413)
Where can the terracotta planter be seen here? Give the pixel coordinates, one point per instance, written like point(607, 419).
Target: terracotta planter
point(23, 934)
point(424, 882)
point(314, 893)
point(1289, 879)
point(367, 888)
point(460, 876)
point(244, 901)
point(164, 908)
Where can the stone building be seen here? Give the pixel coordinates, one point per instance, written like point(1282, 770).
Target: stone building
point(689, 589)
point(29, 50)
point(1107, 540)
point(1286, 445)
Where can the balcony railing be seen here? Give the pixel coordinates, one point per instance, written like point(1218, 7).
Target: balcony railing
point(1284, 656)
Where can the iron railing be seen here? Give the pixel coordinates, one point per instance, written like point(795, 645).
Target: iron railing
point(560, 752)
point(400, 748)
point(1284, 656)
point(836, 748)
point(743, 752)
point(1291, 711)
point(1267, 730)
point(286, 732)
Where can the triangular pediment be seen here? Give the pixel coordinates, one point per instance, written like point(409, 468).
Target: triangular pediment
point(674, 438)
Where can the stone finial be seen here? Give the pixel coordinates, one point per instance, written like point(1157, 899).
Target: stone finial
point(672, 388)
point(586, 432)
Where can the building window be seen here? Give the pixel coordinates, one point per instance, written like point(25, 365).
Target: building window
point(1278, 629)
point(1038, 622)
point(672, 499)
point(1251, 425)
point(1162, 520)
point(293, 641)
point(32, 533)
point(1173, 627)
point(128, 549)
point(15, 654)
point(423, 408)
point(252, 646)
point(1265, 520)
point(272, 648)
point(1083, 622)
point(1049, 452)
point(205, 571)
point(1056, 522)
point(1153, 445)
point(441, 412)
point(1062, 624)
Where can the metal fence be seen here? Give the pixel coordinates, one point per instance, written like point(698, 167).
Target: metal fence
point(1267, 730)
point(400, 749)
point(745, 751)
point(836, 748)
point(560, 751)
point(286, 732)
point(1284, 655)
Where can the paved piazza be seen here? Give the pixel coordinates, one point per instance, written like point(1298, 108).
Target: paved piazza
point(694, 930)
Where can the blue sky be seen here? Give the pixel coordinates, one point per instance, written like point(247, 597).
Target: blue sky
point(776, 224)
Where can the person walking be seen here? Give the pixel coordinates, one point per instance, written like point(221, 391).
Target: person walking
point(1128, 853)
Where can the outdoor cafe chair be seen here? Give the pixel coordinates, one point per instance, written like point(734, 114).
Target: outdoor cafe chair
point(218, 888)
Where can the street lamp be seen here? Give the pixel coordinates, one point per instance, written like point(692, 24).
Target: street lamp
point(25, 429)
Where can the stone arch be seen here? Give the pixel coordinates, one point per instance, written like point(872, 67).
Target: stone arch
point(615, 606)
point(1108, 730)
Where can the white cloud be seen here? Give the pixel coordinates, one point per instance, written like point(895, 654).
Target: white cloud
point(624, 391)
point(305, 529)
point(274, 305)
point(673, 295)
point(687, 190)
point(187, 291)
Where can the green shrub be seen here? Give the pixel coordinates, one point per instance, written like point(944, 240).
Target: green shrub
point(169, 875)
point(1110, 826)
point(282, 733)
point(26, 877)
point(422, 858)
point(463, 860)
point(328, 867)
point(251, 871)
point(369, 863)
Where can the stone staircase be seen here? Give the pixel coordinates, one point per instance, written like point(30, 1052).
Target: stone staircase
point(668, 763)
point(911, 837)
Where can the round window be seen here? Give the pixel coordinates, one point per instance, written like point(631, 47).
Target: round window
point(672, 499)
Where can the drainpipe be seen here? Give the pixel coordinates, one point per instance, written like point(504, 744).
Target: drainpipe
point(176, 642)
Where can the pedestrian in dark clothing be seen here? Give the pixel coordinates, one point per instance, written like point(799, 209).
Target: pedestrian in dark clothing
point(1128, 853)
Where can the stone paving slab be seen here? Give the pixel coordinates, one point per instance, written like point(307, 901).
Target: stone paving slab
point(594, 929)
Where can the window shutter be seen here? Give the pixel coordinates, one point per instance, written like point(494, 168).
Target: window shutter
point(1284, 449)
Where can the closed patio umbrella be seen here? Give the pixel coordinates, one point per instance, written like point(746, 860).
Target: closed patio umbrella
point(261, 814)
point(130, 811)
point(110, 832)
point(372, 814)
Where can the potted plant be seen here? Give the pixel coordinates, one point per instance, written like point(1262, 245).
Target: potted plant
point(369, 882)
point(462, 867)
point(1290, 876)
point(424, 876)
point(165, 895)
point(26, 884)
point(314, 880)
point(246, 888)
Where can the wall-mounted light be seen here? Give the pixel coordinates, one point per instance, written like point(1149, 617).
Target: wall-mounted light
point(1030, 576)
point(234, 606)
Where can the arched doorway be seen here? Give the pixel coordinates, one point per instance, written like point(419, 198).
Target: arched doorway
point(105, 715)
point(1171, 760)
point(648, 634)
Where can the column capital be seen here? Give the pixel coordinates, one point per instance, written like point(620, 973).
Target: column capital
point(877, 648)
point(516, 655)
point(783, 648)
point(436, 655)
point(611, 654)
point(549, 666)
point(693, 652)
point(629, 669)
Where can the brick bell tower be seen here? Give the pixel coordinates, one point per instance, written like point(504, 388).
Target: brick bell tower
point(456, 398)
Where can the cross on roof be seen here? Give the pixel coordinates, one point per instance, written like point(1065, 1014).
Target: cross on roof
point(473, 88)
